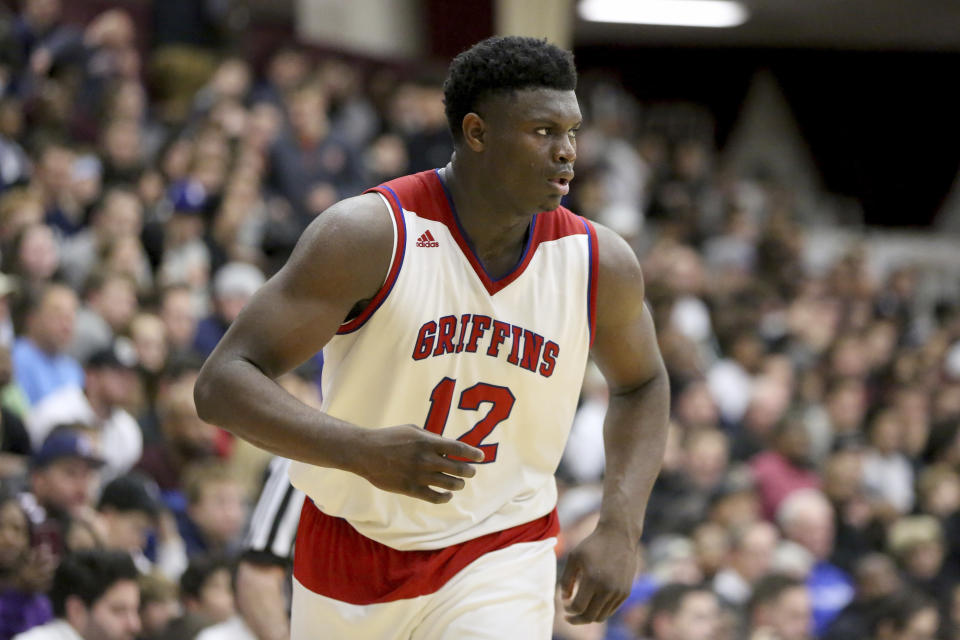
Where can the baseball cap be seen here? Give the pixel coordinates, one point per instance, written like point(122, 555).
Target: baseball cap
point(66, 443)
point(131, 492)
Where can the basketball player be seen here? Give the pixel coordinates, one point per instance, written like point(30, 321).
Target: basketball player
point(456, 309)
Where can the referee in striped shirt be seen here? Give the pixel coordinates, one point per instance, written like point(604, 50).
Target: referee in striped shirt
point(263, 573)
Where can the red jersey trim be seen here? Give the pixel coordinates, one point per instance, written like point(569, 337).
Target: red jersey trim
point(592, 286)
point(397, 261)
point(334, 560)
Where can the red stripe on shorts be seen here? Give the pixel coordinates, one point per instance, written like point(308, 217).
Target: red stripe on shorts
point(334, 560)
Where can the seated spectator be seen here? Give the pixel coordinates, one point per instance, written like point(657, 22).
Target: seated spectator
point(206, 595)
point(887, 472)
point(108, 385)
point(110, 302)
point(750, 558)
point(94, 596)
point(23, 604)
point(40, 361)
point(233, 285)
point(877, 580)
point(786, 468)
point(683, 612)
point(128, 511)
point(179, 317)
point(806, 517)
point(917, 544)
point(64, 472)
point(120, 214)
point(906, 616)
point(159, 605)
point(215, 514)
point(780, 608)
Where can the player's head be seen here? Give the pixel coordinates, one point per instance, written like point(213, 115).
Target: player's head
point(501, 66)
point(513, 113)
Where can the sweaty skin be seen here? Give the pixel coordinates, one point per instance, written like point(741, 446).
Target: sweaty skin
point(510, 163)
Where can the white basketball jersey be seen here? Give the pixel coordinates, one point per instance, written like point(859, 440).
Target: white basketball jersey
point(495, 363)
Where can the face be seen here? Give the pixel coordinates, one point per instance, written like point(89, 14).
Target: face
point(922, 626)
point(220, 513)
point(791, 614)
point(813, 529)
point(115, 615)
point(697, 618)
point(127, 530)
point(755, 556)
point(39, 255)
point(179, 318)
point(14, 536)
point(528, 145)
point(155, 616)
point(216, 596)
point(53, 322)
point(65, 484)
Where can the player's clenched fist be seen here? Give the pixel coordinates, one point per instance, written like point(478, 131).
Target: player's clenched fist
point(410, 460)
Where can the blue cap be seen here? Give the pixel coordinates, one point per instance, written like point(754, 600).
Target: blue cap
point(66, 443)
point(187, 196)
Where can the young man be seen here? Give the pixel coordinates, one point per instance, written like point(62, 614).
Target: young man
point(684, 612)
point(95, 597)
point(456, 309)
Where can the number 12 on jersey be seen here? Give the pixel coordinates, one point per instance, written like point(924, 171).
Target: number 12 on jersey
point(500, 398)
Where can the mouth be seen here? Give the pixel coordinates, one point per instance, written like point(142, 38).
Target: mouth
point(561, 183)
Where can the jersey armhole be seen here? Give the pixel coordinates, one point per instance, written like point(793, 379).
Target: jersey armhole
point(594, 267)
point(399, 249)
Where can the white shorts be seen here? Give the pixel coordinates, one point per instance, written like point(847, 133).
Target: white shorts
point(504, 594)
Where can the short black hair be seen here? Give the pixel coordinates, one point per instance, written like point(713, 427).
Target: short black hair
point(769, 589)
point(897, 611)
point(201, 568)
point(670, 598)
point(501, 65)
point(88, 575)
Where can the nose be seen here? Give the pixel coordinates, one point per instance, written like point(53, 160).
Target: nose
point(566, 150)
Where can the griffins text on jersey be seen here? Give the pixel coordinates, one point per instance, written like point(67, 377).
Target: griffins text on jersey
point(474, 333)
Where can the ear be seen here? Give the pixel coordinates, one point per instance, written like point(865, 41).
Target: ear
point(474, 131)
point(75, 611)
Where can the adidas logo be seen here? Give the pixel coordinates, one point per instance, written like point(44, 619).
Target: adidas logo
point(426, 240)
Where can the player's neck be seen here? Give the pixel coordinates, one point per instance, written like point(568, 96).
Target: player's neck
point(491, 227)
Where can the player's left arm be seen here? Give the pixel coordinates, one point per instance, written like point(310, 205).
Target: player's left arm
point(625, 349)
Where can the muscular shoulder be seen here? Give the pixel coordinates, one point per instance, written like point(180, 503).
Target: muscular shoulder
point(620, 288)
point(347, 249)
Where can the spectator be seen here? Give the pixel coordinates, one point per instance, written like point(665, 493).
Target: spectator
point(159, 605)
point(22, 603)
point(179, 318)
point(206, 595)
point(751, 557)
point(906, 616)
point(120, 214)
point(216, 512)
point(918, 545)
point(107, 389)
point(233, 285)
point(40, 362)
point(785, 469)
point(95, 596)
point(63, 476)
point(887, 472)
point(683, 612)
point(877, 579)
point(186, 439)
point(806, 517)
point(780, 606)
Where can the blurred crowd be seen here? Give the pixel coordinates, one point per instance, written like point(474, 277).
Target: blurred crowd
point(811, 484)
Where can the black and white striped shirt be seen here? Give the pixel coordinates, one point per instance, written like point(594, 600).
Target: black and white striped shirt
point(273, 525)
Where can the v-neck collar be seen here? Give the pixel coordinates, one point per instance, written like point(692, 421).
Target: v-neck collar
point(466, 246)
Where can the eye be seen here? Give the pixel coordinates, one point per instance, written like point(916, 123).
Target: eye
point(542, 131)
point(574, 132)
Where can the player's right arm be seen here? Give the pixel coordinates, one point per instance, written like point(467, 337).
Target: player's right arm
point(341, 259)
